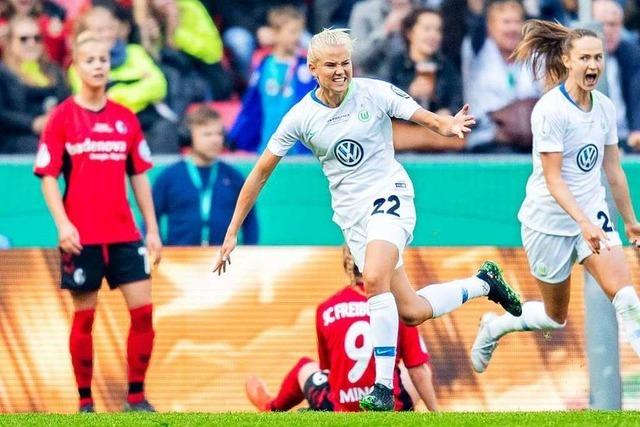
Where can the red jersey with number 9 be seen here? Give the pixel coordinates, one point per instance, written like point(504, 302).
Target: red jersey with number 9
point(94, 150)
point(345, 347)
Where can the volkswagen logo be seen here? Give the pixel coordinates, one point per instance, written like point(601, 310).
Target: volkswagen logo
point(348, 152)
point(587, 157)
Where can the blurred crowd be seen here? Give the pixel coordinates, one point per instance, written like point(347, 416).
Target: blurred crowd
point(246, 59)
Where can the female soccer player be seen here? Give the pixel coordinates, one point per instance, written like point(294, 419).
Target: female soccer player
point(94, 142)
point(564, 215)
point(346, 123)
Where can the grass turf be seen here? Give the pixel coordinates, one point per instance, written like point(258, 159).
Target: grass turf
point(503, 419)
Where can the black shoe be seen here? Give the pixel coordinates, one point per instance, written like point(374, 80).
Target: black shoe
point(87, 409)
point(143, 406)
point(379, 399)
point(499, 290)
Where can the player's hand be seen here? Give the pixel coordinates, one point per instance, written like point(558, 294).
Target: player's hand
point(154, 247)
point(69, 238)
point(229, 244)
point(594, 236)
point(461, 123)
point(633, 233)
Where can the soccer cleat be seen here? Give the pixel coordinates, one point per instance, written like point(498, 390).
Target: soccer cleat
point(142, 406)
point(499, 290)
point(378, 399)
point(484, 345)
point(87, 409)
point(257, 393)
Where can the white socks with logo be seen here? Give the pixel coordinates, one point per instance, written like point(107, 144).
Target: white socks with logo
point(628, 308)
point(384, 331)
point(533, 318)
point(446, 297)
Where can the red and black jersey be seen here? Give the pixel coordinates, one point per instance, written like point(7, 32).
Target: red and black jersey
point(95, 150)
point(345, 348)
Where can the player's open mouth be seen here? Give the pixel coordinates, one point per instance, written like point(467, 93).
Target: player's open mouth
point(340, 79)
point(591, 78)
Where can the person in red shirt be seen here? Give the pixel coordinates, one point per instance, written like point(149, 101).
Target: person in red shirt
point(95, 143)
point(345, 371)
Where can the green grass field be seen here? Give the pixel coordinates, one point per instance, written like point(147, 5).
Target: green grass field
point(297, 419)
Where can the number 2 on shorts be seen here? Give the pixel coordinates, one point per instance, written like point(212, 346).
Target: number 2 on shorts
point(605, 225)
point(377, 205)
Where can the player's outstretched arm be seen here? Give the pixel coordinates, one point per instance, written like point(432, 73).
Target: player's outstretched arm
point(620, 192)
point(246, 199)
point(421, 377)
point(552, 166)
point(456, 125)
point(142, 192)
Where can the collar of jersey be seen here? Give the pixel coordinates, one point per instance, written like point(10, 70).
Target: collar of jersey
point(564, 91)
point(319, 101)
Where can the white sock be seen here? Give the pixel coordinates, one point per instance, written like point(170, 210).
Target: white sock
point(628, 308)
point(533, 318)
point(446, 297)
point(384, 330)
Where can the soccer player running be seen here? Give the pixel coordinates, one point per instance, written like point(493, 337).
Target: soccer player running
point(94, 142)
point(346, 123)
point(564, 215)
point(345, 370)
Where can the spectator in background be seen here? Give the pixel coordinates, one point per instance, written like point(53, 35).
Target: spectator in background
point(498, 90)
point(187, 29)
point(50, 18)
point(198, 194)
point(622, 71)
point(421, 70)
point(30, 87)
point(331, 13)
point(281, 80)
point(244, 28)
point(376, 25)
point(135, 81)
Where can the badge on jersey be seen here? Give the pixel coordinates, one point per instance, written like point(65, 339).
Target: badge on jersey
point(587, 157)
point(400, 92)
point(348, 152)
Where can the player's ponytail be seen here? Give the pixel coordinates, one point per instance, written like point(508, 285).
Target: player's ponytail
point(543, 44)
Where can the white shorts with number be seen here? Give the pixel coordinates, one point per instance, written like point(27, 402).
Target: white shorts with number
point(391, 217)
point(551, 257)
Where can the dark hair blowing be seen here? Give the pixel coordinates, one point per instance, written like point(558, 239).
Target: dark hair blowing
point(543, 44)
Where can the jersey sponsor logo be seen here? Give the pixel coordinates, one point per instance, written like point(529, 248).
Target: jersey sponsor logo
point(43, 158)
point(587, 157)
point(338, 119)
point(345, 310)
point(348, 152)
point(354, 394)
point(91, 146)
point(79, 277)
point(102, 128)
point(399, 92)
point(121, 127)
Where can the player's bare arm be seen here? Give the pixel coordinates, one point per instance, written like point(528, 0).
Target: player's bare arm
point(68, 236)
point(421, 377)
point(620, 192)
point(456, 125)
point(552, 166)
point(246, 199)
point(142, 193)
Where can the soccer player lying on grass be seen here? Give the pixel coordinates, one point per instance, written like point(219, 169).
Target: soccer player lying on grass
point(346, 370)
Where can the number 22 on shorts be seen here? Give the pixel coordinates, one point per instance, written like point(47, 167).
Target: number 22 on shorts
point(395, 205)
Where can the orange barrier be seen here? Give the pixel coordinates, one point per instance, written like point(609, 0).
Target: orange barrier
point(259, 318)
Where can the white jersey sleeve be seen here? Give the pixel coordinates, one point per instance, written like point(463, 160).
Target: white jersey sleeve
point(547, 129)
point(396, 102)
point(286, 135)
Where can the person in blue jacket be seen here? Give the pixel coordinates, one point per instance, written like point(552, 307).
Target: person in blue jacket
point(198, 193)
point(279, 82)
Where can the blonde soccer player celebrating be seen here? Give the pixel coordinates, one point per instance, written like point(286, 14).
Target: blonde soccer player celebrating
point(347, 125)
point(564, 215)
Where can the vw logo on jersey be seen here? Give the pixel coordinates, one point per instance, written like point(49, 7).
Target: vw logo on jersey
point(587, 157)
point(348, 152)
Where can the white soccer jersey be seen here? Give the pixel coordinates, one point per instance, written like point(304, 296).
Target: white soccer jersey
point(354, 143)
point(558, 125)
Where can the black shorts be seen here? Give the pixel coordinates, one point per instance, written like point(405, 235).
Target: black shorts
point(316, 391)
point(120, 263)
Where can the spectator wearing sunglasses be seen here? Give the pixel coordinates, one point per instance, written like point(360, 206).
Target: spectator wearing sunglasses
point(30, 86)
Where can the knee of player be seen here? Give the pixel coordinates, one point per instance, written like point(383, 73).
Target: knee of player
point(411, 317)
point(375, 282)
